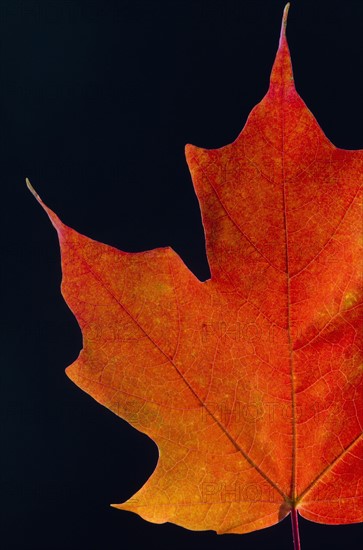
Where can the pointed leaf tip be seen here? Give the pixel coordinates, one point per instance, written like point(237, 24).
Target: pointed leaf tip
point(31, 189)
point(284, 22)
point(57, 223)
point(282, 74)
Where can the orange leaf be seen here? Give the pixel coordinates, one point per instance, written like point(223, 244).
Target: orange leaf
point(250, 383)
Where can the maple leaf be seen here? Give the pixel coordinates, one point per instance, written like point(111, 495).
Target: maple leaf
point(250, 383)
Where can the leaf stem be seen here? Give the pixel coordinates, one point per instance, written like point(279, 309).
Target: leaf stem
point(295, 529)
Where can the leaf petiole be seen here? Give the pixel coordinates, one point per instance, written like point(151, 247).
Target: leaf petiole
point(295, 529)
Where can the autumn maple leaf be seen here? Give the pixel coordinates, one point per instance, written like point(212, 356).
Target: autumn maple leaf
point(250, 383)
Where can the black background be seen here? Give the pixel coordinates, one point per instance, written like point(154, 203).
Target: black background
point(98, 99)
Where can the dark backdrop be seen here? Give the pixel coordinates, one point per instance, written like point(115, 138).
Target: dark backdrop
point(98, 99)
